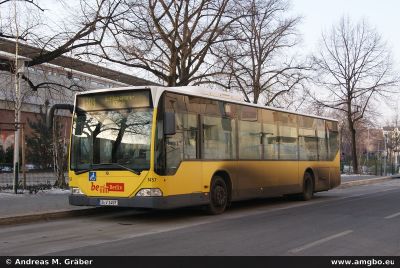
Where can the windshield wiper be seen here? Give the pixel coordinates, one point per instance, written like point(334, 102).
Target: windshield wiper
point(77, 172)
point(118, 165)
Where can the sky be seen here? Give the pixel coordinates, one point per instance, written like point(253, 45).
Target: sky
point(320, 15)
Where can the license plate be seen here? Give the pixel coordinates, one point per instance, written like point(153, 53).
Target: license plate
point(108, 202)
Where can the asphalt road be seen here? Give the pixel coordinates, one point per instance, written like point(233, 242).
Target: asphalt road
point(360, 220)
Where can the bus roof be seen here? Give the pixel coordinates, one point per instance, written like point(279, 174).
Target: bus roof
point(198, 92)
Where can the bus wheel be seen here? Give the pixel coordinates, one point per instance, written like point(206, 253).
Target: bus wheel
point(308, 187)
point(218, 196)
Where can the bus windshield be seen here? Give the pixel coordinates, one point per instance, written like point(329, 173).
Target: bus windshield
point(112, 138)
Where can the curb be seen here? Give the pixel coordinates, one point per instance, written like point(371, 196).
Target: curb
point(364, 182)
point(51, 215)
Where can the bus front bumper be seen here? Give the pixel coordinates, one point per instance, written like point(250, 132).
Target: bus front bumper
point(159, 202)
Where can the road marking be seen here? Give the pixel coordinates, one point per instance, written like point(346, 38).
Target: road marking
point(393, 215)
point(318, 242)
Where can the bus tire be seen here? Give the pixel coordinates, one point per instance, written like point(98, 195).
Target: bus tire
point(308, 187)
point(218, 196)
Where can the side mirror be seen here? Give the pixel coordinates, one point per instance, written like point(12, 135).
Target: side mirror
point(169, 123)
point(51, 111)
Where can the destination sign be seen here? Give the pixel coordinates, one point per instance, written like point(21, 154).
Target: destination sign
point(113, 100)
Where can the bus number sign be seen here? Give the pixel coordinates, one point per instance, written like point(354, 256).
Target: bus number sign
point(117, 100)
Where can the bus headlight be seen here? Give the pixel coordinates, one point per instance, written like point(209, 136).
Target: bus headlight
point(149, 192)
point(76, 190)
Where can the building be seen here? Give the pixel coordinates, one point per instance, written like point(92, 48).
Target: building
point(59, 81)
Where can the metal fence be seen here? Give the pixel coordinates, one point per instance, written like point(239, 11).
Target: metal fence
point(372, 166)
point(32, 179)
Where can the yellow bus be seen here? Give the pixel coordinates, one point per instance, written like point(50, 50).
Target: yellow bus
point(166, 147)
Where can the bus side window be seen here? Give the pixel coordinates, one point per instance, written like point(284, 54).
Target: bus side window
point(333, 139)
point(308, 141)
point(322, 140)
point(174, 145)
point(249, 134)
point(287, 129)
point(219, 138)
point(270, 135)
point(183, 144)
point(190, 136)
point(174, 151)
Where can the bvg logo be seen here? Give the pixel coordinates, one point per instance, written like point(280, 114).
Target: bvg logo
point(115, 187)
point(109, 187)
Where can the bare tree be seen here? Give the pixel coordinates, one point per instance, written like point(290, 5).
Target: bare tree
point(87, 30)
point(171, 40)
point(34, 3)
point(355, 68)
point(257, 57)
point(6, 21)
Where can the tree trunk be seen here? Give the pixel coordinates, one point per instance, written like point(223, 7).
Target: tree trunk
point(256, 93)
point(353, 147)
point(58, 154)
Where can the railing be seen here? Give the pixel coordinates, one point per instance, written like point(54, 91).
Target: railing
point(34, 180)
point(371, 167)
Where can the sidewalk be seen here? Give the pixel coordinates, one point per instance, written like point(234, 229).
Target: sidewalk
point(19, 204)
point(357, 179)
point(54, 203)
point(18, 208)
